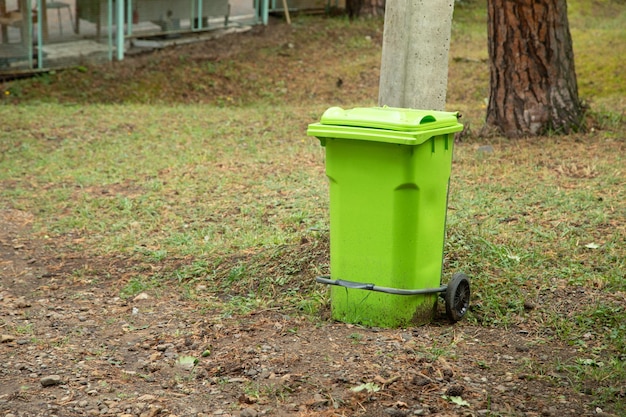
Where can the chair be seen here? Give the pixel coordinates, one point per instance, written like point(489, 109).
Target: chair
point(58, 5)
point(16, 19)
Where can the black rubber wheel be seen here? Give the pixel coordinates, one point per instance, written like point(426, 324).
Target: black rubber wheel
point(457, 297)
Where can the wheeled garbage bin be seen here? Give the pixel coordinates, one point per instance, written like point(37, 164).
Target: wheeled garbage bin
point(389, 170)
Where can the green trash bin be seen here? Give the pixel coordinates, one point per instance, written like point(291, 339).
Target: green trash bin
point(389, 170)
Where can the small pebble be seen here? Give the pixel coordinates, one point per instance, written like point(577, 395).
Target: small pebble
point(51, 380)
point(248, 412)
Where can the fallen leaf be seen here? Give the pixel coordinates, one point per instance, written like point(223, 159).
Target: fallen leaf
point(457, 400)
point(369, 387)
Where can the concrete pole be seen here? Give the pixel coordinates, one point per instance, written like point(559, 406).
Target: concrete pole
point(416, 41)
point(40, 33)
point(110, 28)
point(119, 26)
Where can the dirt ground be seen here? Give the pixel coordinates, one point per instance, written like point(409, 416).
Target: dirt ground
point(73, 347)
point(77, 349)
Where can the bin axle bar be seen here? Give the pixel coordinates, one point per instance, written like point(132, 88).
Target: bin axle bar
point(325, 279)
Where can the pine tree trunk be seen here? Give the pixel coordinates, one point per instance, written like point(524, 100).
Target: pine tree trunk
point(533, 81)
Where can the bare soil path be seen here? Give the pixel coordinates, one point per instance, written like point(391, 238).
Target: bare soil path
point(72, 347)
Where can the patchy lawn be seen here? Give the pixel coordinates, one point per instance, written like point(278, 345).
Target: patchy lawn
point(162, 221)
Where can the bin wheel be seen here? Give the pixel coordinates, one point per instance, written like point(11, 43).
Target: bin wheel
point(457, 297)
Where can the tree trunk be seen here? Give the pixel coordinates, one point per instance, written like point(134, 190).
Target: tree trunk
point(353, 8)
point(533, 81)
point(357, 8)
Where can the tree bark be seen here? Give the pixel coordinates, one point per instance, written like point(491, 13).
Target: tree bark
point(353, 8)
point(533, 80)
point(357, 8)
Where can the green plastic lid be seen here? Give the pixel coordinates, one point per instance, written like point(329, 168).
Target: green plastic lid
point(384, 124)
point(391, 118)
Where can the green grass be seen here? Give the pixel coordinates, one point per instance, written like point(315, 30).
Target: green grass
point(228, 200)
point(599, 48)
point(542, 222)
point(171, 176)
